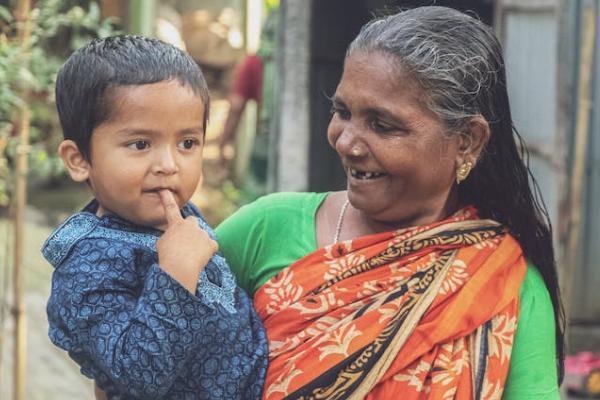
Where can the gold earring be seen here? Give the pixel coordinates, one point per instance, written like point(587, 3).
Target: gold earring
point(463, 171)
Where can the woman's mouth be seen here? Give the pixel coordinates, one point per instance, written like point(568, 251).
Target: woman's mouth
point(364, 175)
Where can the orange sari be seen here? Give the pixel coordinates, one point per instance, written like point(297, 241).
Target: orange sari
point(426, 313)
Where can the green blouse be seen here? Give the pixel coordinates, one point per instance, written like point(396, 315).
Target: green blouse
point(264, 237)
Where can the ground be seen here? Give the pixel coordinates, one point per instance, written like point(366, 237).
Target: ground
point(50, 373)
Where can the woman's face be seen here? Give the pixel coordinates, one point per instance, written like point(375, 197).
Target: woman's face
point(399, 160)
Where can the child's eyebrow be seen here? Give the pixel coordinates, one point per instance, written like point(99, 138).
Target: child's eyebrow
point(192, 131)
point(150, 132)
point(135, 131)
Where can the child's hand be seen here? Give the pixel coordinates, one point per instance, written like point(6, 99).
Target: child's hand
point(185, 248)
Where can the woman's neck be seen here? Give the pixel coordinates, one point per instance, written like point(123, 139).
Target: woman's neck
point(357, 223)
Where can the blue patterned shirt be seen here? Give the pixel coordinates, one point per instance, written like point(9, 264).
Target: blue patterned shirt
point(135, 330)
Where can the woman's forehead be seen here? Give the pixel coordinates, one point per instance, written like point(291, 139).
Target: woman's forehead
point(380, 80)
point(378, 67)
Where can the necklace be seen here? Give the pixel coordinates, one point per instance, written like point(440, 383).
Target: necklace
point(338, 227)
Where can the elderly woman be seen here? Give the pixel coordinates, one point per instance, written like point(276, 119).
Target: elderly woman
point(433, 274)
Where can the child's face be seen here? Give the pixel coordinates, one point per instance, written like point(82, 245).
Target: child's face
point(153, 140)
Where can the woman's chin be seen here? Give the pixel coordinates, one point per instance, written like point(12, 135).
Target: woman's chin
point(365, 203)
point(391, 215)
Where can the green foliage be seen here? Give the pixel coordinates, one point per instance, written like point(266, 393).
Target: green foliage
point(28, 74)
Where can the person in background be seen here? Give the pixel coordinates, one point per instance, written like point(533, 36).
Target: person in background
point(433, 274)
point(140, 299)
point(254, 79)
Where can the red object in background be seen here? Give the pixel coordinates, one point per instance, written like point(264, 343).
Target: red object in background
point(247, 81)
point(582, 374)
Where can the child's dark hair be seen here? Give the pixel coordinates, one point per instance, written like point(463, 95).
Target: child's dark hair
point(86, 79)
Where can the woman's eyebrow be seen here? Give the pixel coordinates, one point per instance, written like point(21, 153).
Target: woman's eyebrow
point(337, 101)
point(386, 114)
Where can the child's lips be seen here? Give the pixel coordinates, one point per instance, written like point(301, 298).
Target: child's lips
point(155, 191)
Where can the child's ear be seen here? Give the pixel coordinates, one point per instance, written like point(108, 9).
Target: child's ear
point(77, 165)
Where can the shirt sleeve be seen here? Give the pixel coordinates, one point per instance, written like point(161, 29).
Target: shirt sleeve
point(133, 337)
point(240, 239)
point(270, 234)
point(532, 373)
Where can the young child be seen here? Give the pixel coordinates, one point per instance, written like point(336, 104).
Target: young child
point(140, 299)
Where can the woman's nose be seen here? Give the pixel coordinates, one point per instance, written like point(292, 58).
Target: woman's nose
point(165, 162)
point(348, 143)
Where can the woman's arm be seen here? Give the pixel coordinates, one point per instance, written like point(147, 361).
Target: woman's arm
point(533, 373)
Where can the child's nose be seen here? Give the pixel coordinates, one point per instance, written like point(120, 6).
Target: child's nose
point(165, 163)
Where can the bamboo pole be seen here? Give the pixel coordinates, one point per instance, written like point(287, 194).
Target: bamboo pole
point(20, 344)
point(142, 17)
point(4, 291)
point(20, 349)
point(582, 123)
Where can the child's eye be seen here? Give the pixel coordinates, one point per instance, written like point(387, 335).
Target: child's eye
point(188, 144)
point(139, 145)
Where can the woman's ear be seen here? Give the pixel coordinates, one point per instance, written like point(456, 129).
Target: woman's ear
point(473, 140)
point(75, 162)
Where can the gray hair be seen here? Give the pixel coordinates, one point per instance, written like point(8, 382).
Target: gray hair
point(458, 62)
point(455, 58)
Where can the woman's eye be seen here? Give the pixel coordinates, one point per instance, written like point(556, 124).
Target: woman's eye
point(380, 126)
point(188, 144)
point(341, 112)
point(139, 145)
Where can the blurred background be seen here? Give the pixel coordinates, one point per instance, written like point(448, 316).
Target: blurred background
point(278, 140)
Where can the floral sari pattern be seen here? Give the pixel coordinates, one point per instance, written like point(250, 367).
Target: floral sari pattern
point(427, 312)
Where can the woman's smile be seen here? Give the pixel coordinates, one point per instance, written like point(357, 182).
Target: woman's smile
point(364, 175)
point(402, 172)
